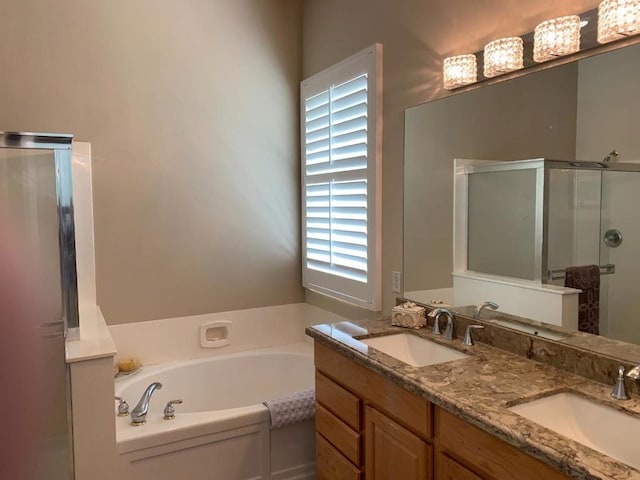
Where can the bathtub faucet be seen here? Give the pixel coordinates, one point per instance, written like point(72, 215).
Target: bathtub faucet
point(139, 414)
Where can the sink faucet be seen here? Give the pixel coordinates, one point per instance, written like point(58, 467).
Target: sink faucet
point(482, 306)
point(139, 413)
point(448, 331)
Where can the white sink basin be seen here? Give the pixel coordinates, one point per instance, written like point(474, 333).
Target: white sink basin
point(531, 329)
point(414, 350)
point(597, 426)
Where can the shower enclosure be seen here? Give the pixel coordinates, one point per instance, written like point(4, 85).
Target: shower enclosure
point(531, 219)
point(37, 228)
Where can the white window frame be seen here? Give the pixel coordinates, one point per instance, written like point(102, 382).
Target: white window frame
point(364, 294)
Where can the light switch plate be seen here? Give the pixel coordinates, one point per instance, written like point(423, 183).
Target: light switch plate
point(396, 280)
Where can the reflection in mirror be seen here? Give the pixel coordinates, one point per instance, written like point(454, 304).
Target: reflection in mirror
point(582, 112)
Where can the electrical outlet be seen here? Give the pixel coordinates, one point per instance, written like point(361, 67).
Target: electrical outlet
point(396, 279)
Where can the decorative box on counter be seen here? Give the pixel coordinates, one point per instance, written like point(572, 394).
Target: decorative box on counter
point(408, 315)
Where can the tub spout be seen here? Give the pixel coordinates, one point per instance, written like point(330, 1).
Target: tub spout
point(139, 413)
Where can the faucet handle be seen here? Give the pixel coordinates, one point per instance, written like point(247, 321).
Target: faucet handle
point(169, 411)
point(619, 391)
point(468, 340)
point(123, 407)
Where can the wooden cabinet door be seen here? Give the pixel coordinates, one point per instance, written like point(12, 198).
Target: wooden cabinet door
point(331, 465)
point(392, 452)
point(449, 469)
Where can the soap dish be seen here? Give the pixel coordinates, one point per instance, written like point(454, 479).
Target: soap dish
point(121, 375)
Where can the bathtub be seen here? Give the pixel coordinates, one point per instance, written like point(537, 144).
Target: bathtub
point(221, 430)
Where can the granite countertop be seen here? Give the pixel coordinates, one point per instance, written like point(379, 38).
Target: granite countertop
point(482, 387)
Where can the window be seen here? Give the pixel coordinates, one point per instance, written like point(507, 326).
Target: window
point(341, 120)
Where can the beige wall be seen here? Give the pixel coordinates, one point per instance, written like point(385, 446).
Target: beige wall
point(192, 111)
point(416, 35)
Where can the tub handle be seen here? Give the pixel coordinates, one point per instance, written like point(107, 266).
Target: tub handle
point(123, 407)
point(169, 411)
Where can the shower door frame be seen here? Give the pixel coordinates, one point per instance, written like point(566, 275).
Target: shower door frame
point(463, 168)
point(60, 145)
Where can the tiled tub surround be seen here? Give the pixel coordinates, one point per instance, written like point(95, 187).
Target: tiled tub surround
point(481, 388)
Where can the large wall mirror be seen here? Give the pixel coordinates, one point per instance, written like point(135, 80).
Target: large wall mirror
point(579, 112)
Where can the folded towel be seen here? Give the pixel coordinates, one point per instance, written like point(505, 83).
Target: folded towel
point(294, 408)
point(587, 279)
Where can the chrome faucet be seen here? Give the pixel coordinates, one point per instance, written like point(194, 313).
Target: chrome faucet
point(448, 331)
point(139, 413)
point(619, 391)
point(123, 407)
point(482, 306)
point(468, 339)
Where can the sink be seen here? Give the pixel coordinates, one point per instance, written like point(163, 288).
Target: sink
point(531, 329)
point(414, 350)
point(597, 426)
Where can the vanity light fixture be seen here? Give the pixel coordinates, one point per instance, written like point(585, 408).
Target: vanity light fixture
point(556, 38)
point(618, 19)
point(459, 71)
point(502, 56)
point(551, 41)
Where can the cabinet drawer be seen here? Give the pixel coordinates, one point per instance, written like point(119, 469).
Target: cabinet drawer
point(403, 406)
point(340, 435)
point(339, 401)
point(489, 455)
point(449, 469)
point(331, 465)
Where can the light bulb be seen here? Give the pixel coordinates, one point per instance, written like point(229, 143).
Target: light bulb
point(502, 56)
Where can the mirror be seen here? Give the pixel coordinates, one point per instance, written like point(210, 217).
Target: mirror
point(577, 111)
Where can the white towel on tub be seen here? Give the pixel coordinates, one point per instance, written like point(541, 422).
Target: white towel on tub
point(293, 408)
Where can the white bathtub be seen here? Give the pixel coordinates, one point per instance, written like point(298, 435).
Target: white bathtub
point(221, 431)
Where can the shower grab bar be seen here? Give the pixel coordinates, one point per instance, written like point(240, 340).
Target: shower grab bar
point(608, 269)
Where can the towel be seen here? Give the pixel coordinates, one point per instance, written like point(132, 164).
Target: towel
point(587, 279)
point(294, 408)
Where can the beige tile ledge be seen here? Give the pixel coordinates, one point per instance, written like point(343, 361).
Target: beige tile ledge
point(95, 339)
point(480, 389)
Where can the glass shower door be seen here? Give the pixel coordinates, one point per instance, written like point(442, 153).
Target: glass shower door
point(619, 238)
point(30, 231)
point(573, 231)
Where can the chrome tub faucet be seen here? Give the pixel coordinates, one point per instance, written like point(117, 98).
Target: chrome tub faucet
point(482, 306)
point(139, 413)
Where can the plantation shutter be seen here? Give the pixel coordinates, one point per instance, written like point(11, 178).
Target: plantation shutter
point(340, 163)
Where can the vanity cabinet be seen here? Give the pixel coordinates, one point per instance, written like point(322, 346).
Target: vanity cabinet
point(369, 428)
point(366, 423)
point(490, 458)
point(392, 451)
point(449, 469)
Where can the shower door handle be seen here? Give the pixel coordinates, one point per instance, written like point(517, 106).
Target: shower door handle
point(612, 238)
